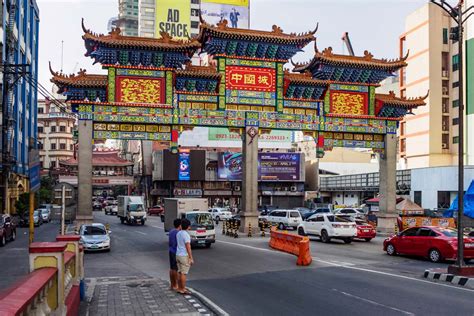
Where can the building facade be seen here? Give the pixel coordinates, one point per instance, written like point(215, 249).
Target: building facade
point(19, 46)
point(469, 86)
point(128, 17)
point(430, 137)
point(55, 134)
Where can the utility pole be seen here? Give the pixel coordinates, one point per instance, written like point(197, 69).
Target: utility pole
point(457, 14)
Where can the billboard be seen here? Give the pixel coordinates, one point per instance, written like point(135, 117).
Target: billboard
point(271, 166)
point(184, 170)
point(173, 17)
point(236, 12)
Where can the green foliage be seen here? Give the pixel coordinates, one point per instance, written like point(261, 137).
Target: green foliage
point(23, 204)
point(45, 193)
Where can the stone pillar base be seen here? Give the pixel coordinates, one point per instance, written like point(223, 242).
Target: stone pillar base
point(244, 224)
point(84, 219)
point(386, 224)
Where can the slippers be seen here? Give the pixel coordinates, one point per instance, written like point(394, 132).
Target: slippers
point(184, 292)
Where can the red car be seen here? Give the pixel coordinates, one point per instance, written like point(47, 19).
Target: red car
point(435, 243)
point(365, 231)
point(7, 229)
point(157, 210)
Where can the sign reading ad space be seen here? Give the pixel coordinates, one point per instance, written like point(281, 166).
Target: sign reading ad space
point(271, 166)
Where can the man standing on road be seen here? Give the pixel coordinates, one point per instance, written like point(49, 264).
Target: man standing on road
point(184, 256)
point(173, 244)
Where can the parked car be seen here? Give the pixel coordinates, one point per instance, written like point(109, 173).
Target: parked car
point(157, 210)
point(354, 212)
point(45, 215)
point(97, 206)
point(435, 243)
point(328, 226)
point(7, 229)
point(365, 230)
point(303, 210)
point(237, 217)
point(111, 210)
point(316, 211)
point(220, 213)
point(94, 237)
point(37, 218)
point(285, 218)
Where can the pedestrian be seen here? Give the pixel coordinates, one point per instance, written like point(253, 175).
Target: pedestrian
point(184, 256)
point(172, 247)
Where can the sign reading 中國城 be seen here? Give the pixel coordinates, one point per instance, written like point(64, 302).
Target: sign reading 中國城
point(184, 170)
point(271, 166)
point(140, 90)
point(174, 18)
point(250, 79)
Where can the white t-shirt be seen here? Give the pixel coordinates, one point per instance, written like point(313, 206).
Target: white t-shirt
point(182, 238)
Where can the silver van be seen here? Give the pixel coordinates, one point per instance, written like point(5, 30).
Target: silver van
point(285, 218)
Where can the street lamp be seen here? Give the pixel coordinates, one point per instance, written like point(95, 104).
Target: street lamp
point(457, 13)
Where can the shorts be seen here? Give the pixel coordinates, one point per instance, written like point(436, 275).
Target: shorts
point(183, 264)
point(173, 263)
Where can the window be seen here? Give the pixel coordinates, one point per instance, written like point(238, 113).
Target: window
point(71, 147)
point(53, 146)
point(417, 197)
point(62, 146)
point(40, 129)
point(455, 103)
point(444, 199)
point(62, 128)
point(52, 164)
point(194, 24)
point(40, 146)
point(456, 121)
point(295, 214)
point(445, 36)
point(455, 62)
point(410, 232)
point(40, 110)
point(426, 232)
point(53, 129)
point(455, 139)
point(456, 84)
point(319, 219)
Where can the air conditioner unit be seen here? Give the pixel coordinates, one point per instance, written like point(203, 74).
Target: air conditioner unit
point(444, 146)
point(237, 188)
point(293, 189)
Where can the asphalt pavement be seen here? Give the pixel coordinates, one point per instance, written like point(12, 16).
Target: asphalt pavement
point(244, 277)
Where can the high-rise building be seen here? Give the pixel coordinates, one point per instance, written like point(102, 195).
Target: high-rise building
point(469, 86)
point(430, 137)
point(55, 134)
point(19, 56)
point(128, 17)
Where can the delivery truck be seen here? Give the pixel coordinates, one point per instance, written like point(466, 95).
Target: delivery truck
point(202, 229)
point(131, 209)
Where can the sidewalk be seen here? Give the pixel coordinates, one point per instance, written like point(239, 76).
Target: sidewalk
point(137, 296)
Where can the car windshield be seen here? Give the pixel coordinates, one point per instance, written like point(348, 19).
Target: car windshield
point(337, 219)
point(294, 214)
point(36, 213)
point(44, 211)
point(136, 208)
point(94, 230)
point(200, 219)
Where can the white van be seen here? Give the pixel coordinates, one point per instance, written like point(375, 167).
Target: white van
point(285, 218)
point(202, 231)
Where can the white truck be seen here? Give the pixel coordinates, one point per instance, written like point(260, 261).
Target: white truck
point(131, 209)
point(202, 229)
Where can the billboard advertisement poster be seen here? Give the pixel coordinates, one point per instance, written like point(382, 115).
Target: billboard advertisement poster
point(184, 171)
point(271, 166)
point(237, 16)
point(223, 134)
point(242, 3)
point(173, 17)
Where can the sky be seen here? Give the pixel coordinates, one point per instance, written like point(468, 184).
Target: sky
point(373, 25)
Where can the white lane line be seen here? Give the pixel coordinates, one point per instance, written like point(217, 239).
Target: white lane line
point(142, 233)
point(157, 227)
point(373, 302)
point(351, 267)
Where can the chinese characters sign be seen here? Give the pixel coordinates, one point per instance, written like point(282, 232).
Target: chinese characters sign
point(348, 103)
point(250, 79)
point(140, 90)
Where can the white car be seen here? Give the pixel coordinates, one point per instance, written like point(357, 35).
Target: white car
point(94, 237)
point(353, 212)
point(220, 213)
point(285, 218)
point(329, 226)
point(111, 209)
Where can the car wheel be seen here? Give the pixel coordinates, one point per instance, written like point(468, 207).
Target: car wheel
point(281, 226)
point(301, 231)
point(347, 240)
point(3, 241)
point(143, 223)
point(434, 255)
point(368, 239)
point(324, 237)
point(13, 236)
point(391, 250)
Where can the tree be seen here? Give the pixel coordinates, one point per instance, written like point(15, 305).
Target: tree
point(22, 205)
point(45, 193)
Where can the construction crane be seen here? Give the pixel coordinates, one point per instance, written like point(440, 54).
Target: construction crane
point(345, 38)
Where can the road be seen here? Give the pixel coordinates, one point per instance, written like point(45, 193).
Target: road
point(244, 277)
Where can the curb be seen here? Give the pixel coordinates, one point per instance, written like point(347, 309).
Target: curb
point(451, 278)
point(209, 304)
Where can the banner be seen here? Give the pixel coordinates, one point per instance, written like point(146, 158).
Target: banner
point(271, 166)
point(243, 3)
point(184, 171)
point(237, 15)
point(250, 79)
point(173, 17)
point(275, 136)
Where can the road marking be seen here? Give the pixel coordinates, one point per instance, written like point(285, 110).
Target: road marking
point(351, 267)
point(210, 304)
point(142, 233)
point(372, 302)
point(157, 227)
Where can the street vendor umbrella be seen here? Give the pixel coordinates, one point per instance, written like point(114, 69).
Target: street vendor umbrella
point(409, 206)
point(468, 203)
